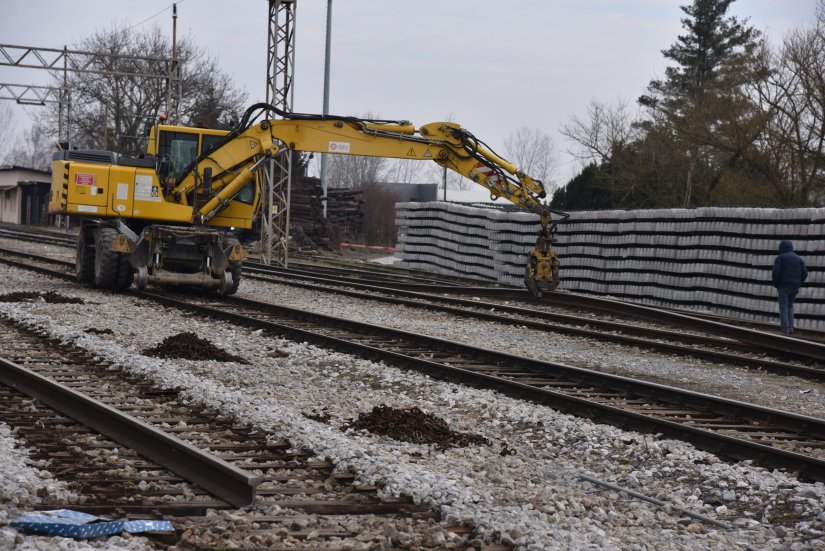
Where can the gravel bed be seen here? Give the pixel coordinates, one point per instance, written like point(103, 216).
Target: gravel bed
point(44, 249)
point(770, 390)
point(777, 391)
point(532, 497)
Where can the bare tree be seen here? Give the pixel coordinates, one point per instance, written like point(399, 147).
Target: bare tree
point(353, 171)
point(435, 173)
point(405, 171)
point(110, 112)
point(608, 126)
point(33, 148)
point(791, 150)
point(379, 215)
point(532, 152)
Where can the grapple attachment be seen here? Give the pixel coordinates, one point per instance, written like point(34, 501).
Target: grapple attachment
point(542, 272)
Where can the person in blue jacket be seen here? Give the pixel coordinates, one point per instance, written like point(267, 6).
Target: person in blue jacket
point(788, 274)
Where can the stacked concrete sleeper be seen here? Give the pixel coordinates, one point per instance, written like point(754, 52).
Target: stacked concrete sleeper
point(713, 259)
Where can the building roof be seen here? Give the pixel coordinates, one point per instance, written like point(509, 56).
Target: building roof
point(8, 168)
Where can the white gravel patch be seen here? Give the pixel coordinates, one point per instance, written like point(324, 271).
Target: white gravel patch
point(770, 390)
point(777, 391)
point(533, 497)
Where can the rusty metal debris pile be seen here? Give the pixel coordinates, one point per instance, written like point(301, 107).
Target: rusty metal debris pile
point(190, 346)
point(414, 426)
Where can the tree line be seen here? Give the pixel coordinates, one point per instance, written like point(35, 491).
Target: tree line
point(734, 121)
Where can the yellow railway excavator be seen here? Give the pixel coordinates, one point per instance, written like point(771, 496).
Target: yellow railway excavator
point(166, 216)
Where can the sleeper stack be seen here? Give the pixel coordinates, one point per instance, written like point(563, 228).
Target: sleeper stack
point(717, 259)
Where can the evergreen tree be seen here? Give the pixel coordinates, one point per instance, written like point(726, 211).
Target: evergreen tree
point(584, 192)
point(702, 99)
point(713, 44)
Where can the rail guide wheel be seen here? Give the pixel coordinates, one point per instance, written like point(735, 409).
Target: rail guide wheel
point(226, 283)
point(142, 278)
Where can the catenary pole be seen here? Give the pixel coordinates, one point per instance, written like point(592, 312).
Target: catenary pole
point(324, 168)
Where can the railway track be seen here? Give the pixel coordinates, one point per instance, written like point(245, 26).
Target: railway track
point(729, 428)
point(726, 427)
point(502, 297)
point(788, 357)
point(38, 235)
point(703, 345)
point(112, 475)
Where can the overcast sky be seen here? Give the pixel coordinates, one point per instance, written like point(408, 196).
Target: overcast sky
point(491, 66)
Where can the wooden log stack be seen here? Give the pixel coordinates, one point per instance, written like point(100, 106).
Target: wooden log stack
point(308, 228)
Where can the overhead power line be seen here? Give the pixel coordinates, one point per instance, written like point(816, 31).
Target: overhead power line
point(157, 14)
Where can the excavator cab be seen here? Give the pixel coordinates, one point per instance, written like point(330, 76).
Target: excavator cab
point(177, 148)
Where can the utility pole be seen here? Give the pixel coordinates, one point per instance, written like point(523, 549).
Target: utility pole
point(444, 181)
point(172, 97)
point(324, 173)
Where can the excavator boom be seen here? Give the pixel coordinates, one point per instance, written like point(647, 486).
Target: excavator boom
point(218, 184)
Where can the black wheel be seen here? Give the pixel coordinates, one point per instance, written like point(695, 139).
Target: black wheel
point(125, 272)
point(111, 269)
point(85, 256)
point(235, 266)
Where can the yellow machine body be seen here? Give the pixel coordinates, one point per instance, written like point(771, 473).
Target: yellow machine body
point(171, 204)
point(118, 190)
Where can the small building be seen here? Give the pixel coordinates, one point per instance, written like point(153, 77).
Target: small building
point(24, 195)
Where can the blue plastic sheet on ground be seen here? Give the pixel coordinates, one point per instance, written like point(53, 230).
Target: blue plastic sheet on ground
point(74, 524)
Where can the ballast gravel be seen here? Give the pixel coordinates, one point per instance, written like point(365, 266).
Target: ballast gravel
point(25, 483)
point(532, 497)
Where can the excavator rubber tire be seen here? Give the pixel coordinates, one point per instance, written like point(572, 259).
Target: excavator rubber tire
point(85, 256)
point(111, 269)
point(125, 273)
point(235, 267)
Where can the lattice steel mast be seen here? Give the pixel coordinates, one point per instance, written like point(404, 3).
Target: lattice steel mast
point(78, 61)
point(280, 65)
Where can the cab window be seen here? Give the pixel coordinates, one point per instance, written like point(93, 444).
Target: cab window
point(180, 148)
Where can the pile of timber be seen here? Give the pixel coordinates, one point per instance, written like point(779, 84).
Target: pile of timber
point(308, 228)
point(344, 211)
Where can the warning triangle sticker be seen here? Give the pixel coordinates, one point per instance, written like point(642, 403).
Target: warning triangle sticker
point(252, 144)
point(411, 152)
point(428, 154)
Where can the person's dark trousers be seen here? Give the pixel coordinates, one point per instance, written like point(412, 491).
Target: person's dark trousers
point(786, 297)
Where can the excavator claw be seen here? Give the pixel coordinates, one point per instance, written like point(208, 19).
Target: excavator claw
point(542, 272)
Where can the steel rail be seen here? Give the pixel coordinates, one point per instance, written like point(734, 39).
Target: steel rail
point(469, 308)
point(753, 337)
point(390, 270)
point(760, 339)
point(54, 239)
point(474, 308)
point(399, 282)
point(716, 442)
point(382, 273)
point(211, 473)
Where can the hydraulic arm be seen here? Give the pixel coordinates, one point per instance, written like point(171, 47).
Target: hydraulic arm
point(165, 216)
point(232, 163)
